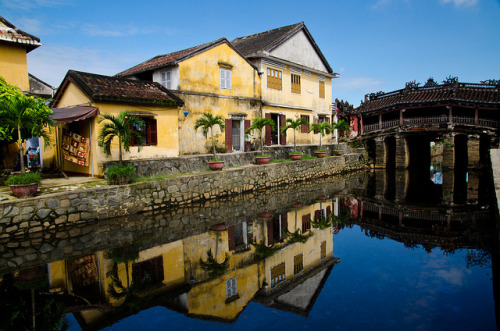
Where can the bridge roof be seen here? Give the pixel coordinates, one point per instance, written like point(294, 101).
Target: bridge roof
point(464, 93)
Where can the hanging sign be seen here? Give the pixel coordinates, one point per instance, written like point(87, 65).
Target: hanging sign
point(75, 148)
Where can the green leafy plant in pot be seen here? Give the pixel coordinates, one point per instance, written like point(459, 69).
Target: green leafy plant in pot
point(323, 128)
point(295, 125)
point(259, 124)
point(24, 185)
point(206, 122)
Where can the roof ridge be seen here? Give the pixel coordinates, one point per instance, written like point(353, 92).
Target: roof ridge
point(271, 30)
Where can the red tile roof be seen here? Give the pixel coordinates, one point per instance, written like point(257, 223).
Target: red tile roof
point(101, 88)
point(459, 93)
point(169, 59)
point(10, 33)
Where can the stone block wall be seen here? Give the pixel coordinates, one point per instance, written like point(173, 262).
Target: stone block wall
point(20, 217)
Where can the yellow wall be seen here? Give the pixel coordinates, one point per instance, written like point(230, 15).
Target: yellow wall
point(200, 74)
point(167, 134)
point(13, 65)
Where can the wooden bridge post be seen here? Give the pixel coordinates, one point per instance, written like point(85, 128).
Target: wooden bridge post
point(448, 151)
point(402, 182)
point(380, 152)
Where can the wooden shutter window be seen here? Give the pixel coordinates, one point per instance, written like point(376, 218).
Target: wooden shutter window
point(278, 274)
point(225, 78)
point(231, 288)
point(229, 135)
point(151, 132)
point(298, 263)
point(295, 83)
point(268, 132)
point(304, 128)
point(323, 249)
point(322, 89)
point(274, 79)
point(306, 223)
point(231, 240)
point(282, 119)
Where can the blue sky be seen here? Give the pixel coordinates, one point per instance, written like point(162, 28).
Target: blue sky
point(375, 45)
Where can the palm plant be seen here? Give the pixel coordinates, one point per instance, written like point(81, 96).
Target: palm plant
point(343, 127)
point(323, 128)
point(121, 127)
point(258, 124)
point(213, 267)
point(26, 116)
point(208, 121)
point(295, 125)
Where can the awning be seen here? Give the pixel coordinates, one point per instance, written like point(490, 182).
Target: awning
point(68, 115)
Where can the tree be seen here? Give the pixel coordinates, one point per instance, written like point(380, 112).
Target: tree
point(343, 127)
point(258, 124)
point(208, 121)
point(121, 126)
point(22, 116)
point(323, 128)
point(295, 125)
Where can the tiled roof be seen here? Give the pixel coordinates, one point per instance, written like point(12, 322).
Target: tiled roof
point(101, 88)
point(10, 33)
point(459, 92)
point(169, 59)
point(260, 43)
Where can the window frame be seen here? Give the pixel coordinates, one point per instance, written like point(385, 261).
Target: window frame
point(304, 128)
point(150, 133)
point(231, 288)
point(322, 88)
point(166, 79)
point(225, 81)
point(272, 79)
point(295, 86)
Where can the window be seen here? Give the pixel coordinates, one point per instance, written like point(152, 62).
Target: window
point(274, 79)
point(166, 79)
point(295, 83)
point(322, 89)
point(231, 289)
point(278, 274)
point(306, 223)
point(323, 249)
point(225, 78)
point(298, 263)
point(304, 128)
point(149, 133)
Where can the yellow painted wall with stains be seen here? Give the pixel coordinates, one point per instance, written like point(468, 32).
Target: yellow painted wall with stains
point(167, 133)
point(200, 74)
point(13, 65)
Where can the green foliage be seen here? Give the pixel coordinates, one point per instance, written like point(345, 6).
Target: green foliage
point(124, 254)
point(295, 126)
point(115, 174)
point(320, 150)
point(25, 179)
point(296, 152)
point(206, 122)
point(22, 115)
point(220, 147)
point(121, 128)
point(297, 237)
point(212, 267)
point(323, 222)
point(117, 290)
point(264, 155)
point(323, 128)
point(263, 251)
point(258, 124)
point(343, 128)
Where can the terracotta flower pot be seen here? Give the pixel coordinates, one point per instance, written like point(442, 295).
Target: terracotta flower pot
point(264, 214)
point(216, 165)
point(22, 191)
point(320, 154)
point(338, 152)
point(262, 159)
point(295, 157)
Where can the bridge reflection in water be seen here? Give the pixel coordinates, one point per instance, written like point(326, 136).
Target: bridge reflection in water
point(276, 249)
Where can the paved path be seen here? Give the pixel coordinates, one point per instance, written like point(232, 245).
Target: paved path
point(495, 164)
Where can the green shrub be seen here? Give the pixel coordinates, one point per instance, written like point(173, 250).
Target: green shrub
point(296, 153)
point(264, 155)
point(320, 151)
point(28, 178)
point(120, 175)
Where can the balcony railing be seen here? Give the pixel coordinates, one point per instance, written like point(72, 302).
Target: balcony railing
point(432, 120)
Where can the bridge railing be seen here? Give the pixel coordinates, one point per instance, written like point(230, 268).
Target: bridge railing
point(489, 122)
point(463, 119)
point(432, 120)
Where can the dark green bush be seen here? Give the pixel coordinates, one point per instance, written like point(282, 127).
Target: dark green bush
point(28, 178)
point(120, 175)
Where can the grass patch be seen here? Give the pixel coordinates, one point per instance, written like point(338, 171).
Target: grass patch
point(26, 179)
point(153, 178)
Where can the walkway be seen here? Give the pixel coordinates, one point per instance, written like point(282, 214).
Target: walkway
point(495, 165)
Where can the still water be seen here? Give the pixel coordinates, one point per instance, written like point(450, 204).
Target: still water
point(366, 251)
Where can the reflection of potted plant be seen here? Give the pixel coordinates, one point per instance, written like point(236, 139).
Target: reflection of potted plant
point(323, 128)
point(338, 151)
point(205, 122)
point(294, 125)
point(212, 267)
point(258, 124)
point(24, 185)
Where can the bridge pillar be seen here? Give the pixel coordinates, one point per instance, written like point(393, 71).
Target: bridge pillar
point(402, 159)
point(448, 151)
point(448, 187)
point(402, 183)
point(380, 152)
point(472, 188)
point(473, 151)
point(380, 182)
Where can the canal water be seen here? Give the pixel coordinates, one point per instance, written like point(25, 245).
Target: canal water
point(379, 250)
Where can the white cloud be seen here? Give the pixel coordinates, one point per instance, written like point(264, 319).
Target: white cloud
point(461, 3)
point(124, 30)
point(454, 276)
point(30, 4)
point(51, 62)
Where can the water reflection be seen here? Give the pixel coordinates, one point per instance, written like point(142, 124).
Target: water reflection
point(209, 261)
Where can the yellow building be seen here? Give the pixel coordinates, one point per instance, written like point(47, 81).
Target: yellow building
point(14, 45)
point(82, 96)
point(213, 77)
point(296, 79)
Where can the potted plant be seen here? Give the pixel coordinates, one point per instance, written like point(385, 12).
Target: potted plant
point(205, 122)
point(338, 151)
point(323, 128)
point(24, 185)
point(295, 125)
point(258, 124)
point(121, 127)
point(342, 127)
point(25, 116)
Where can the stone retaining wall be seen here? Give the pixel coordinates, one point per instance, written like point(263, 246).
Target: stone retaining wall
point(20, 217)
